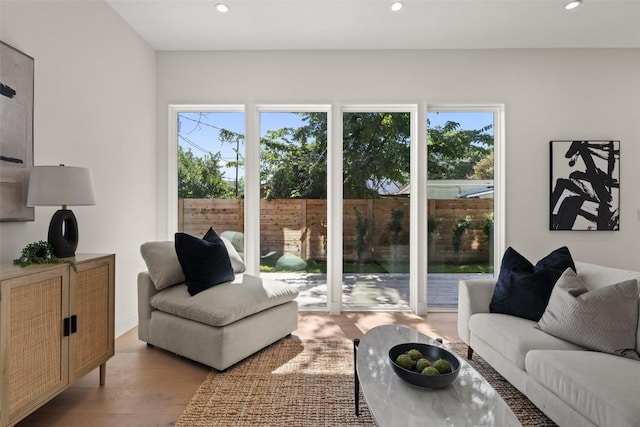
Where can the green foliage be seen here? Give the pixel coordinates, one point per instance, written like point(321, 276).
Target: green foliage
point(362, 232)
point(487, 226)
point(457, 268)
point(294, 160)
point(432, 224)
point(376, 150)
point(395, 225)
point(454, 153)
point(483, 169)
point(201, 177)
point(316, 266)
point(236, 140)
point(462, 226)
point(40, 252)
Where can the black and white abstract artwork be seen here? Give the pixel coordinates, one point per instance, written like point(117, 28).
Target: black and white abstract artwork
point(585, 185)
point(16, 133)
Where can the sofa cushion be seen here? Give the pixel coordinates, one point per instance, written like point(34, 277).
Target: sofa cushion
point(513, 336)
point(595, 276)
point(205, 263)
point(523, 289)
point(236, 260)
point(225, 303)
point(604, 319)
point(236, 238)
point(162, 263)
point(602, 387)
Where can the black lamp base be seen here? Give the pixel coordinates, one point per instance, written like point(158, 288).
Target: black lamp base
point(63, 233)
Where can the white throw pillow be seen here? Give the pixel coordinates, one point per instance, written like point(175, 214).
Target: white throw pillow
point(236, 260)
point(162, 263)
point(604, 319)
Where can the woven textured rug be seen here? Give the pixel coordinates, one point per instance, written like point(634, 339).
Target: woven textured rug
point(309, 384)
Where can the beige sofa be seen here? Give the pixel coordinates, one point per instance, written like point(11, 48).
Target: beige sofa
point(219, 326)
point(573, 386)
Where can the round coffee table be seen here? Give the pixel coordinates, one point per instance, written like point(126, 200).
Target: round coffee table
point(469, 401)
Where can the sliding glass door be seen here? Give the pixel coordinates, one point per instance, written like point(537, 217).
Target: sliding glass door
point(376, 226)
point(386, 209)
point(210, 162)
point(460, 208)
point(293, 201)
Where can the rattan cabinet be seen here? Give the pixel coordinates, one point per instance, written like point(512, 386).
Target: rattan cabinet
point(56, 325)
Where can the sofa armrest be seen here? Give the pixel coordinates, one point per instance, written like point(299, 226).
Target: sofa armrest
point(474, 296)
point(146, 290)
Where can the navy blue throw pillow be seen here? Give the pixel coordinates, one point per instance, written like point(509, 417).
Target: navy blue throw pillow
point(205, 262)
point(523, 289)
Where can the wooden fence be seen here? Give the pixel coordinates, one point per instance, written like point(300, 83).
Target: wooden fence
point(299, 226)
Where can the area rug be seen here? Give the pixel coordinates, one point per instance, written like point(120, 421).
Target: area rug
point(309, 384)
point(528, 414)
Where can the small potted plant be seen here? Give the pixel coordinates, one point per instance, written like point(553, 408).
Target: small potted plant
point(40, 253)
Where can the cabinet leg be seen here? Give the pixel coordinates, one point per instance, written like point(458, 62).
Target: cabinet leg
point(103, 373)
point(356, 380)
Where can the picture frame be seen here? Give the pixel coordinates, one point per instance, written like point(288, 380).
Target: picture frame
point(585, 185)
point(16, 132)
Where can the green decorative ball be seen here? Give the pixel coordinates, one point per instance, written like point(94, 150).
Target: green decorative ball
point(431, 371)
point(442, 366)
point(421, 364)
point(415, 354)
point(405, 361)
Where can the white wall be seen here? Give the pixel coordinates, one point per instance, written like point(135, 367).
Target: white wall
point(97, 105)
point(548, 94)
point(94, 106)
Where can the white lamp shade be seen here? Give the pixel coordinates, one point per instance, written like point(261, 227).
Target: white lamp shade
point(60, 185)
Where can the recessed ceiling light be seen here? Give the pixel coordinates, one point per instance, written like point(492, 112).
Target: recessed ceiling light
point(573, 4)
point(396, 6)
point(222, 8)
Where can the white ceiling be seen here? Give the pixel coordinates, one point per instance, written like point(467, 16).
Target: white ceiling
point(370, 24)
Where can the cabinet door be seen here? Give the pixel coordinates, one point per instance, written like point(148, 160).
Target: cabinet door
point(92, 304)
point(34, 350)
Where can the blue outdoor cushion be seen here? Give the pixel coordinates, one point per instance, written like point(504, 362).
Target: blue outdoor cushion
point(523, 289)
point(205, 262)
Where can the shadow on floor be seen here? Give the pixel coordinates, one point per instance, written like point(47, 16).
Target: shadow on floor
point(374, 291)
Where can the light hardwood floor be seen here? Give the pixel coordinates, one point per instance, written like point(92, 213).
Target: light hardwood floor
point(151, 387)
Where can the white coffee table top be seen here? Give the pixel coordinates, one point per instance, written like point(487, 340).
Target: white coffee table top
point(469, 401)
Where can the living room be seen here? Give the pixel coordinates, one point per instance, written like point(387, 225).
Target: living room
point(102, 94)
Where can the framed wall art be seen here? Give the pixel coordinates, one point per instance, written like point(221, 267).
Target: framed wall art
point(585, 185)
point(16, 133)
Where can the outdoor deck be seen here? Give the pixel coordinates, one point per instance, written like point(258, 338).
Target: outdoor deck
point(374, 291)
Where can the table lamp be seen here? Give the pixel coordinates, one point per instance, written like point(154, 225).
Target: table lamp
point(61, 186)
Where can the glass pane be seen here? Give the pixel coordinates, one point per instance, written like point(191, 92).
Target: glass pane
point(211, 174)
point(376, 210)
point(460, 202)
point(293, 205)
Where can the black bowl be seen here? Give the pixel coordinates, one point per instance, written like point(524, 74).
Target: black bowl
point(432, 353)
